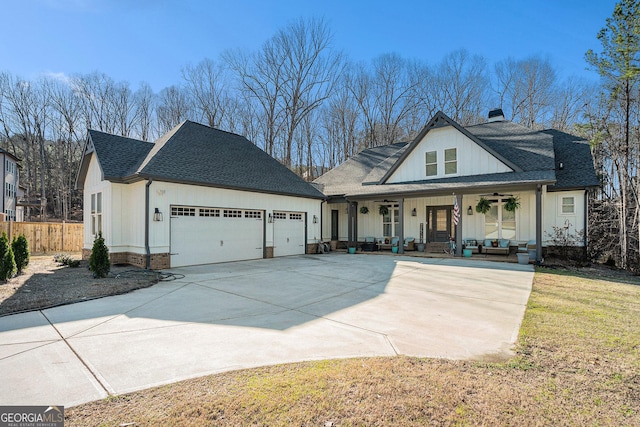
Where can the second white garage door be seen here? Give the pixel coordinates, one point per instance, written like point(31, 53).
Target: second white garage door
point(288, 233)
point(202, 235)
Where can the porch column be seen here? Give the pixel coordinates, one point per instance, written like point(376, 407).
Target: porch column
point(458, 229)
point(400, 231)
point(352, 226)
point(539, 224)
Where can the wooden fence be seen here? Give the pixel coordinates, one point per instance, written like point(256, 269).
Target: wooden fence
point(47, 237)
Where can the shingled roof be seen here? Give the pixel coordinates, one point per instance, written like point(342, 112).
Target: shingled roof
point(532, 155)
point(192, 153)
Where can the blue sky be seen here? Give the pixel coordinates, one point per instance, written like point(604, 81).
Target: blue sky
point(151, 40)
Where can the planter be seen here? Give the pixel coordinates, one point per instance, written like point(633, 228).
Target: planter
point(394, 249)
point(523, 258)
point(333, 245)
point(420, 247)
point(352, 250)
point(466, 253)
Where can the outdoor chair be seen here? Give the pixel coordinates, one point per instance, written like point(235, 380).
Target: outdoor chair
point(410, 244)
point(369, 244)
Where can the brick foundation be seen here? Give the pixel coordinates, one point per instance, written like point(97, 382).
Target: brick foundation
point(312, 248)
point(158, 261)
point(269, 252)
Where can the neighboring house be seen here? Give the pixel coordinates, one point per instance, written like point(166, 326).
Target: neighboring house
point(10, 174)
point(197, 195)
point(548, 171)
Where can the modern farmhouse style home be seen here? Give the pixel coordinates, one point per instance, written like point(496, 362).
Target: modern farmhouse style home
point(493, 187)
point(197, 195)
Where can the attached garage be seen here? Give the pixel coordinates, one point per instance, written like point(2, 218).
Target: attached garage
point(288, 233)
point(196, 195)
point(205, 235)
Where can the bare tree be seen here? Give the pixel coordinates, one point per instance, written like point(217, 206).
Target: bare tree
point(292, 75)
point(143, 101)
point(174, 107)
point(525, 89)
point(206, 89)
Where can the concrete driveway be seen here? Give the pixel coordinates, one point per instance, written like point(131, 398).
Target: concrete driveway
point(230, 316)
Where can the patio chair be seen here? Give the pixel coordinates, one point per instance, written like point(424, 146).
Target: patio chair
point(369, 244)
point(410, 244)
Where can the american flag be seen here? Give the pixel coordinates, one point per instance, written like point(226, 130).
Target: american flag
point(456, 211)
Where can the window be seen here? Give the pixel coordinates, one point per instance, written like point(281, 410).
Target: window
point(431, 159)
point(232, 213)
point(279, 215)
point(295, 216)
point(499, 223)
point(450, 161)
point(390, 221)
point(182, 211)
point(96, 214)
point(568, 205)
point(253, 214)
point(209, 212)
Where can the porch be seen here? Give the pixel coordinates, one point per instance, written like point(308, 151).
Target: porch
point(432, 222)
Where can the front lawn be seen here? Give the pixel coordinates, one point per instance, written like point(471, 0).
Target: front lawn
point(577, 363)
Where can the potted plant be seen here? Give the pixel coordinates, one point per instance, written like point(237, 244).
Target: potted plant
point(512, 204)
point(383, 210)
point(483, 205)
point(364, 210)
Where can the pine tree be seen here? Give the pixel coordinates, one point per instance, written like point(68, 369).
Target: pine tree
point(8, 265)
point(20, 247)
point(4, 245)
point(99, 261)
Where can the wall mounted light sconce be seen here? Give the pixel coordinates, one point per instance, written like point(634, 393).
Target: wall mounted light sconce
point(315, 219)
point(470, 211)
point(560, 165)
point(157, 215)
point(414, 212)
point(270, 220)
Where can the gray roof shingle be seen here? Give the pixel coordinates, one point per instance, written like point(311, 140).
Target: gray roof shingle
point(531, 154)
point(192, 153)
point(575, 155)
point(119, 157)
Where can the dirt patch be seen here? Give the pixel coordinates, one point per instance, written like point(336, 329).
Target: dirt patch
point(45, 283)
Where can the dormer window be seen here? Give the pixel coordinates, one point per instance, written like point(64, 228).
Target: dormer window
point(450, 161)
point(431, 159)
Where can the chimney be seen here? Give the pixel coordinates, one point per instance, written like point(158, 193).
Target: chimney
point(496, 115)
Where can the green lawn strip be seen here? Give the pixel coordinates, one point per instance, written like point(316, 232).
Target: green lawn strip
point(577, 363)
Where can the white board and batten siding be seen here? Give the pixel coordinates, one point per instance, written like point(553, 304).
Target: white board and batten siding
point(203, 235)
point(472, 159)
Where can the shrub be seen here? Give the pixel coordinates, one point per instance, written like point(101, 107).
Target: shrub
point(8, 265)
point(66, 259)
point(20, 247)
point(99, 260)
point(4, 245)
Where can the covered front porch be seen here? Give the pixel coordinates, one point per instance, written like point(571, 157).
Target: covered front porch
point(428, 224)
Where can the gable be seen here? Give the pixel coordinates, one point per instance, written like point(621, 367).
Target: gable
point(471, 158)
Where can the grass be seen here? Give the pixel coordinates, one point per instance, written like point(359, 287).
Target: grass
point(577, 363)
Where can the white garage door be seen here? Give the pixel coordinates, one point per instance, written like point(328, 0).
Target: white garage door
point(207, 235)
point(288, 233)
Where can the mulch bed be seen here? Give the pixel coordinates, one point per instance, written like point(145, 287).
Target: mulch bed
point(45, 284)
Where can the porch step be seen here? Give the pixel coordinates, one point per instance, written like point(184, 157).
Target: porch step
point(436, 247)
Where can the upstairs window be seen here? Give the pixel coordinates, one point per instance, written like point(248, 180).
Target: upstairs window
point(450, 161)
point(431, 159)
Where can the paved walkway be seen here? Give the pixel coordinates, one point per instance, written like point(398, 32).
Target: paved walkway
point(230, 316)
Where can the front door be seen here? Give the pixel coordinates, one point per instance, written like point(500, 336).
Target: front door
point(334, 224)
point(439, 223)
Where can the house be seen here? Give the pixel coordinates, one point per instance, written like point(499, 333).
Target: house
point(420, 182)
point(197, 195)
point(10, 174)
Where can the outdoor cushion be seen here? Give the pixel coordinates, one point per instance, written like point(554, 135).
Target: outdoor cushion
point(470, 242)
point(503, 243)
point(487, 243)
